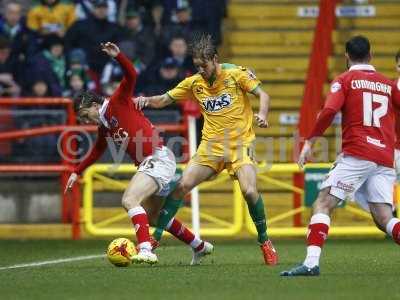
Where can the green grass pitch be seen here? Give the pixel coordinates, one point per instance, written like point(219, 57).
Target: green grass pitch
point(351, 269)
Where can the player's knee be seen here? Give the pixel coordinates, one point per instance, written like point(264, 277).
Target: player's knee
point(130, 201)
point(183, 187)
point(250, 194)
point(325, 202)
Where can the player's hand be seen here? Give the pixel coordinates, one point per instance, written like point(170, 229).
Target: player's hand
point(261, 120)
point(71, 180)
point(110, 49)
point(140, 102)
point(304, 154)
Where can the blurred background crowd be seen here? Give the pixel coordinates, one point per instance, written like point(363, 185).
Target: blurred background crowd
point(50, 48)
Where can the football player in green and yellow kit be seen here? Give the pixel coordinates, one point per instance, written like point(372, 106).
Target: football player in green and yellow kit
point(227, 136)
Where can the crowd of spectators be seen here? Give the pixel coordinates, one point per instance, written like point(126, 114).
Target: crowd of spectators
point(51, 47)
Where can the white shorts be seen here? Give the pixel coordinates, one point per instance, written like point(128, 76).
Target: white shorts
point(360, 180)
point(161, 166)
point(397, 163)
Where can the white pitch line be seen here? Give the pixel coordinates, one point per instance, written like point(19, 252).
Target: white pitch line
point(52, 262)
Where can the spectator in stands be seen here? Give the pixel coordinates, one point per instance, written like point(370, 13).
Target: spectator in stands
point(23, 42)
point(51, 17)
point(8, 71)
point(164, 79)
point(179, 25)
point(85, 10)
point(50, 65)
point(77, 76)
point(39, 89)
point(88, 34)
point(179, 51)
point(10, 22)
point(207, 17)
point(141, 39)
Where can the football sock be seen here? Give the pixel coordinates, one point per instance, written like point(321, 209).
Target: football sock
point(141, 224)
point(168, 211)
point(317, 234)
point(257, 213)
point(393, 229)
point(180, 231)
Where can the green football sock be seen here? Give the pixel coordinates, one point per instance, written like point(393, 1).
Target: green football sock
point(168, 211)
point(257, 213)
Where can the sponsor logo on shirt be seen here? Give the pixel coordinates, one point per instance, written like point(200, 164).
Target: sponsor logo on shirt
point(349, 188)
point(335, 87)
point(198, 90)
point(375, 142)
point(120, 136)
point(213, 104)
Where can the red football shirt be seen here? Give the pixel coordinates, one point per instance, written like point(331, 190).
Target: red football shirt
point(122, 123)
point(365, 98)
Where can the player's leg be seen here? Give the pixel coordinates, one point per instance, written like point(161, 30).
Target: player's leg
point(247, 177)
point(153, 207)
point(141, 187)
point(193, 175)
point(344, 179)
point(380, 194)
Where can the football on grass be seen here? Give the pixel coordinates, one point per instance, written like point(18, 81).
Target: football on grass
point(120, 252)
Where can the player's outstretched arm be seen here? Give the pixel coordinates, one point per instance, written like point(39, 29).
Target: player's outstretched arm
point(262, 115)
point(125, 89)
point(159, 101)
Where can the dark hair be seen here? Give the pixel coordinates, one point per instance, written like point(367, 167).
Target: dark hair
point(397, 57)
point(202, 46)
point(86, 98)
point(358, 48)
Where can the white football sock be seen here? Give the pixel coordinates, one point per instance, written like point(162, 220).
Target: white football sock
point(313, 255)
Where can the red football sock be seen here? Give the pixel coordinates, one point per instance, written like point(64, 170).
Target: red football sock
point(141, 224)
point(393, 228)
point(318, 230)
point(180, 231)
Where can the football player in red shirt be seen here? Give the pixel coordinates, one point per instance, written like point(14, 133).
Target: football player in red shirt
point(120, 122)
point(364, 169)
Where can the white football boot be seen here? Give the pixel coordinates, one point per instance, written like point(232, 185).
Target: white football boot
point(145, 256)
point(198, 255)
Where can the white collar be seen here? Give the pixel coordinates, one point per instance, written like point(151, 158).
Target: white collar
point(362, 67)
point(398, 83)
point(102, 112)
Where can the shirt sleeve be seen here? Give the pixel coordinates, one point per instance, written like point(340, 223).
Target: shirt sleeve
point(95, 153)
point(182, 91)
point(127, 85)
point(247, 80)
point(336, 95)
point(324, 120)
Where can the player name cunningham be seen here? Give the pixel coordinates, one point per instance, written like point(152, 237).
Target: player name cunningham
point(370, 85)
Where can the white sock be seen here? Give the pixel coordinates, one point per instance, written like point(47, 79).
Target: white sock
point(390, 225)
point(313, 255)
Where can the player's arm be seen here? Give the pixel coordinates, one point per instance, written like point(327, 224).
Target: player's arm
point(181, 92)
point(125, 89)
point(159, 101)
point(94, 154)
point(262, 115)
point(333, 104)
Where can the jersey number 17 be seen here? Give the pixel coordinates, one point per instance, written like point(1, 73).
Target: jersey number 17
point(372, 117)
